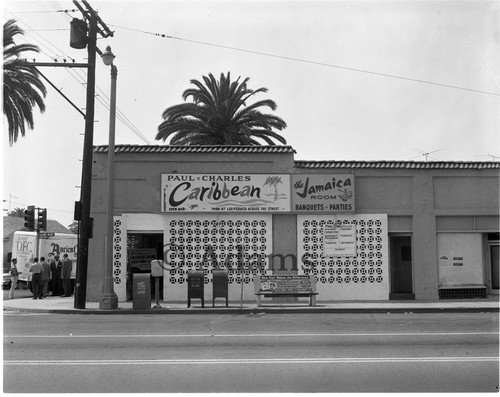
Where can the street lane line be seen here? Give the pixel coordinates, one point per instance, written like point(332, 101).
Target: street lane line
point(258, 361)
point(253, 335)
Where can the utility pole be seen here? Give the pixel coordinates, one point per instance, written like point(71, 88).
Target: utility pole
point(82, 207)
point(86, 185)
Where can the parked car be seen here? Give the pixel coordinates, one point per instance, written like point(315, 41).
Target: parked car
point(6, 280)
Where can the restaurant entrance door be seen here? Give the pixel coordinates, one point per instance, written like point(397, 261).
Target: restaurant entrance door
point(142, 248)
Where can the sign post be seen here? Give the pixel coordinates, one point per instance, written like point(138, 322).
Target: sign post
point(157, 272)
point(47, 234)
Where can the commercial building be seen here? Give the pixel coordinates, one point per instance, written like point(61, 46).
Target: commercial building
point(368, 230)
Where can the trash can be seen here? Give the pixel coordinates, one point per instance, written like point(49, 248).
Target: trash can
point(220, 285)
point(141, 291)
point(196, 283)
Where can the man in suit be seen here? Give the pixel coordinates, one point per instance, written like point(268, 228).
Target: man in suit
point(45, 277)
point(67, 266)
point(56, 281)
point(50, 261)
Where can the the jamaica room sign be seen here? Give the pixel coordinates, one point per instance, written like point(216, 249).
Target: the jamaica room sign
point(225, 193)
point(323, 193)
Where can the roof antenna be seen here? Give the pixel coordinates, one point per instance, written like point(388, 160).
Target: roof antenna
point(423, 153)
point(493, 156)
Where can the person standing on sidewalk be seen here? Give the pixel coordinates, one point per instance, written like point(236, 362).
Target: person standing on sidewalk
point(67, 266)
point(50, 261)
point(14, 274)
point(56, 281)
point(36, 279)
point(45, 276)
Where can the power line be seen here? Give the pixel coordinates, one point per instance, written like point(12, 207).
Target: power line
point(77, 74)
point(41, 12)
point(43, 38)
point(162, 35)
point(294, 59)
point(46, 30)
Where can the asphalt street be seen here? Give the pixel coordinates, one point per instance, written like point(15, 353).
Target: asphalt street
point(424, 352)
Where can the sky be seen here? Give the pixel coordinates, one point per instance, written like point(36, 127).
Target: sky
point(354, 80)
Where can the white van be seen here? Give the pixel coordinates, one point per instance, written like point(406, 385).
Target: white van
point(24, 249)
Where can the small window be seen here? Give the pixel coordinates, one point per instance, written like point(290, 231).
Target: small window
point(406, 253)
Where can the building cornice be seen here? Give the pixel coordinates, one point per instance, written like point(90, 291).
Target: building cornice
point(195, 149)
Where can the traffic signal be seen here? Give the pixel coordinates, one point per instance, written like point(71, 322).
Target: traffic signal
point(42, 219)
point(29, 218)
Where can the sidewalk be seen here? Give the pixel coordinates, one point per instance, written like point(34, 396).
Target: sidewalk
point(66, 306)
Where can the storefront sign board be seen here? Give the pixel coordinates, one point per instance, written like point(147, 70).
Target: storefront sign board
point(332, 193)
point(225, 193)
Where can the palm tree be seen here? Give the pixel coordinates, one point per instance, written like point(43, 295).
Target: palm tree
point(73, 227)
point(16, 213)
point(22, 87)
point(219, 115)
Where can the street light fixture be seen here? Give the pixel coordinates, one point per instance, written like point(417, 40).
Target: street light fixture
point(109, 300)
point(108, 56)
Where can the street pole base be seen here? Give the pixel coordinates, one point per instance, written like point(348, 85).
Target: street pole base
point(157, 306)
point(108, 302)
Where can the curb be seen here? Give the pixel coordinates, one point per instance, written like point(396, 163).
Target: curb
point(261, 310)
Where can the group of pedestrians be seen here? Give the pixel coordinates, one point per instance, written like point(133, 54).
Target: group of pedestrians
point(57, 273)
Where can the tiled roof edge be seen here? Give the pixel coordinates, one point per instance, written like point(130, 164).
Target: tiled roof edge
point(194, 149)
point(398, 164)
point(305, 164)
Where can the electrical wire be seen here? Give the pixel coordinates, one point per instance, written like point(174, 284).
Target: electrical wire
point(294, 59)
point(46, 30)
point(162, 35)
point(80, 77)
point(43, 12)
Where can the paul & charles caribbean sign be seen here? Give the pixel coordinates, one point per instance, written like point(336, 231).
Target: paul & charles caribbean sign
point(323, 193)
point(225, 192)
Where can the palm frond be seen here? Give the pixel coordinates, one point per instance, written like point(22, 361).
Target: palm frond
point(22, 87)
point(219, 115)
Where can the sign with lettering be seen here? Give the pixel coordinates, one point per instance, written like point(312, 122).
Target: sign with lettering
point(285, 284)
point(225, 192)
point(140, 258)
point(460, 259)
point(339, 240)
point(46, 234)
point(323, 193)
point(141, 288)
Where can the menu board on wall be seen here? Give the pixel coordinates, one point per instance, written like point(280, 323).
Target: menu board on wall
point(225, 193)
point(140, 258)
point(323, 193)
point(339, 240)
